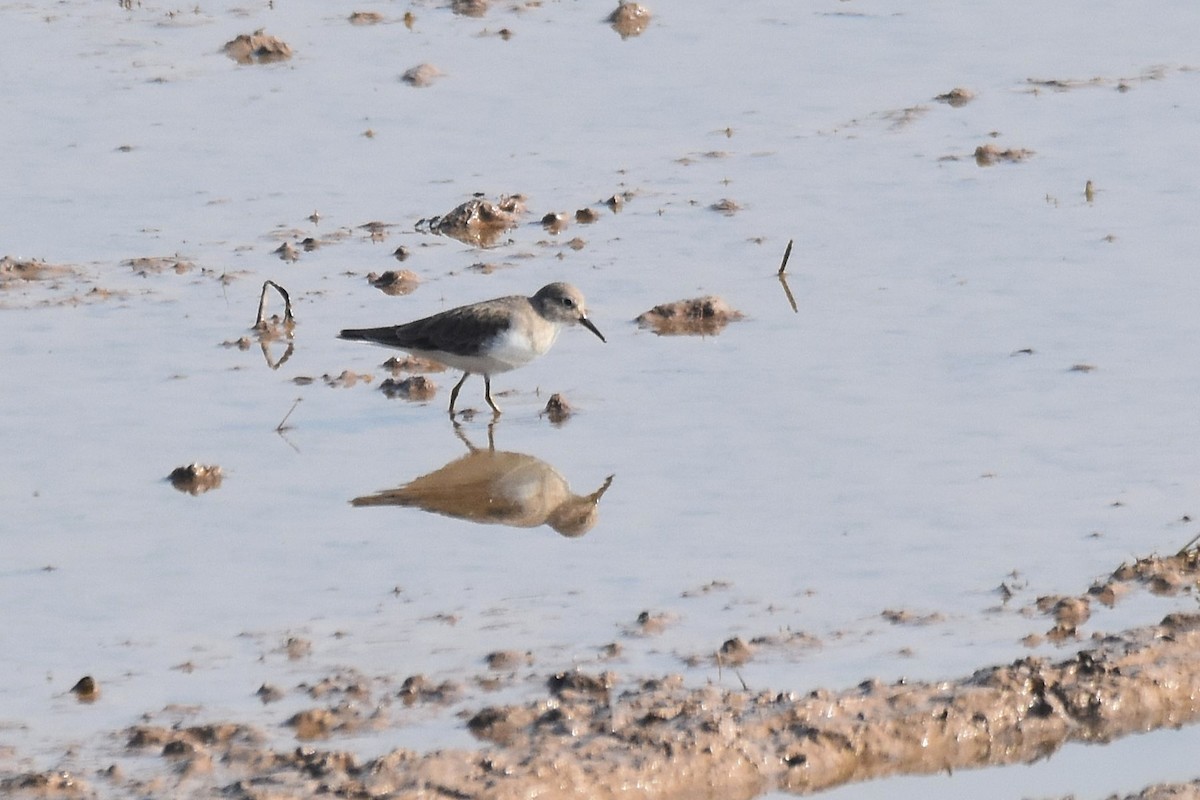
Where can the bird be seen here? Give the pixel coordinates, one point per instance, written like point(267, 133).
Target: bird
point(488, 337)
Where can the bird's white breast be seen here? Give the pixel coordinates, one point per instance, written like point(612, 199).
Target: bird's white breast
point(516, 347)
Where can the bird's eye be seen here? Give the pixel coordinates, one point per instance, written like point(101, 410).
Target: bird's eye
point(568, 302)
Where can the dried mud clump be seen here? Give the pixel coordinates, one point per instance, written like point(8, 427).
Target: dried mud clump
point(554, 222)
point(365, 18)
point(44, 784)
point(508, 660)
point(558, 410)
point(651, 624)
point(701, 315)
point(956, 97)
point(478, 221)
point(195, 479)
point(343, 718)
point(257, 47)
point(15, 271)
point(345, 379)
point(86, 690)
point(287, 252)
point(726, 206)
point(1161, 575)
point(987, 155)
point(421, 76)
point(906, 617)
point(395, 282)
point(629, 19)
point(417, 689)
point(469, 8)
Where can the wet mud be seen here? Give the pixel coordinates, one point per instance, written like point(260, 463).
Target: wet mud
point(956, 97)
point(629, 19)
point(601, 734)
point(478, 221)
point(416, 388)
point(698, 316)
point(988, 154)
point(196, 479)
point(15, 271)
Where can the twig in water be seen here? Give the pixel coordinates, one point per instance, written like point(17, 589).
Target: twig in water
point(782, 275)
point(262, 304)
point(1183, 550)
point(786, 255)
point(283, 426)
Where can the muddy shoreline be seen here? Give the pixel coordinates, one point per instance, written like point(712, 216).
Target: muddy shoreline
point(593, 735)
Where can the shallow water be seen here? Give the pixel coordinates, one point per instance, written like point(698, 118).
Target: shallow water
point(886, 446)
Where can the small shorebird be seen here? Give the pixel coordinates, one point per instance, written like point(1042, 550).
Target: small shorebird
point(488, 337)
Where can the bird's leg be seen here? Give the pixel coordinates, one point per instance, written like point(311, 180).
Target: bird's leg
point(454, 391)
point(487, 393)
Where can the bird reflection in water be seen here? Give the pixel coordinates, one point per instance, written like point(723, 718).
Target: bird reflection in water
point(497, 488)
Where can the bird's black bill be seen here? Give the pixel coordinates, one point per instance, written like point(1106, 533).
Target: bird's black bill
point(587, 323)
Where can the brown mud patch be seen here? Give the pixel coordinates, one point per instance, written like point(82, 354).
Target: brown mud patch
point(701, 315)
point(469, 8)
point(196, 479)
point(956, 97)
point(14, 272)
point(596, 734)
point(987, 155)
point(366, 18)
point(557, 409)
point(629, 19)
point(257, 48)
point(421, 76)
point(27, 282)
point(478, 221)
point(155, 265)
point(589, 737)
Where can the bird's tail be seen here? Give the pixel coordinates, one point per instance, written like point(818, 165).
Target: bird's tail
point(362, 334)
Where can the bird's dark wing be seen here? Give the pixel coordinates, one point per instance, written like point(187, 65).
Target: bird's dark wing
point(459, 330)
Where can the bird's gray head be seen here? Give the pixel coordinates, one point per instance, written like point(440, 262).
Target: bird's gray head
point(562, 302)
